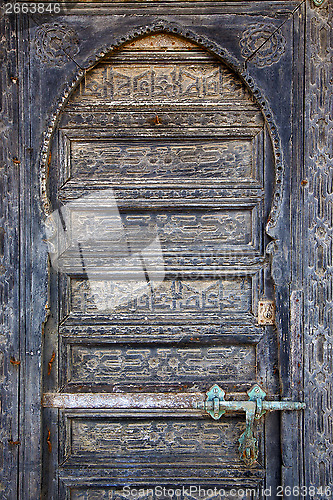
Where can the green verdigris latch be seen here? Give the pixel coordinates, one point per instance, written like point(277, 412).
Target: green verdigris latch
point(254, 408)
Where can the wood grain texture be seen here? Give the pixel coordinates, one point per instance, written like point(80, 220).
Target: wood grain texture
point(10, 435)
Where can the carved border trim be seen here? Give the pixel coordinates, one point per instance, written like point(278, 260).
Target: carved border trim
point(318, 331)
point(217, 51)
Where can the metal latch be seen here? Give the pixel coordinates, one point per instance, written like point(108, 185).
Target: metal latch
point(254, 408)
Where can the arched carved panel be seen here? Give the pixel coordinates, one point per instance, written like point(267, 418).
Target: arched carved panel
point(159, 28)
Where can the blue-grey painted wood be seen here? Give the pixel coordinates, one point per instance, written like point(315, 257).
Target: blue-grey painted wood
point(39, 83)
point(11, 361)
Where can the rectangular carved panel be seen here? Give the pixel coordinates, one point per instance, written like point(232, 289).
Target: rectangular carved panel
point(179, 82)
point(157, 160)
point(171, 297)
point(91, 364)
point(162, 492)
point(114, 117)
point(184, 227)
point(172, 438)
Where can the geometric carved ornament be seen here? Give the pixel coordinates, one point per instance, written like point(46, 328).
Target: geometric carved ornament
point(56, 44)
point(266, 45)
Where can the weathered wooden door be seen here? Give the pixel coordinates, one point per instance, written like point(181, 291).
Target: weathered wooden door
point(160, 186)
point(167, 192)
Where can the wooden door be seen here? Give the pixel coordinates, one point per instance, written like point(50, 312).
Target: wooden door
point(160, 186)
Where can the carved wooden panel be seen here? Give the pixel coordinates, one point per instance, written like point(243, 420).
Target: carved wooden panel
point(192, 82)
point(183, 227)
point(172, 297)
point(104, 365)
point(184, 440)
point(163, 493)
point(223, 115)
point(161, 160)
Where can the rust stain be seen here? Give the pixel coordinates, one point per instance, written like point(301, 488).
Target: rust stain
point(14, 443)
point(157, 121)
point(304, 182)
point(16, 161)
point(249, 457)
point(48, 440)
point(49, 159)
point(50, 363)
point(14, 362)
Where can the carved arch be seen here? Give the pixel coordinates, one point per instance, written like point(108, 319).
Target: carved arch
point(220, 54)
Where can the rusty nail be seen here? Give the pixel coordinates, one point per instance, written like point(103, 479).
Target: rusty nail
point(14, 79)
point(49, 159)
point(304, 182)
point(157, 121)
point(16, 161)
point(14, 362)
point(50, 363)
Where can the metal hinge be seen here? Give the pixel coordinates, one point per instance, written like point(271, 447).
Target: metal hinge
point(254, 408)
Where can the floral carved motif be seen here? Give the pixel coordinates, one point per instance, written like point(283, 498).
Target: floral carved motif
point(56, 44)
point(262, 44)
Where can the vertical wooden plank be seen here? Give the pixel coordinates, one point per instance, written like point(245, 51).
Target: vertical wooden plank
point(292, 473)
point(10, 360)
point(33, 277)
point(50, 452)
point(318, 338)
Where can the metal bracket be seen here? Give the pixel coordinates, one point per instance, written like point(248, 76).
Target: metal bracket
point(254, 408)
point(212, 404)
